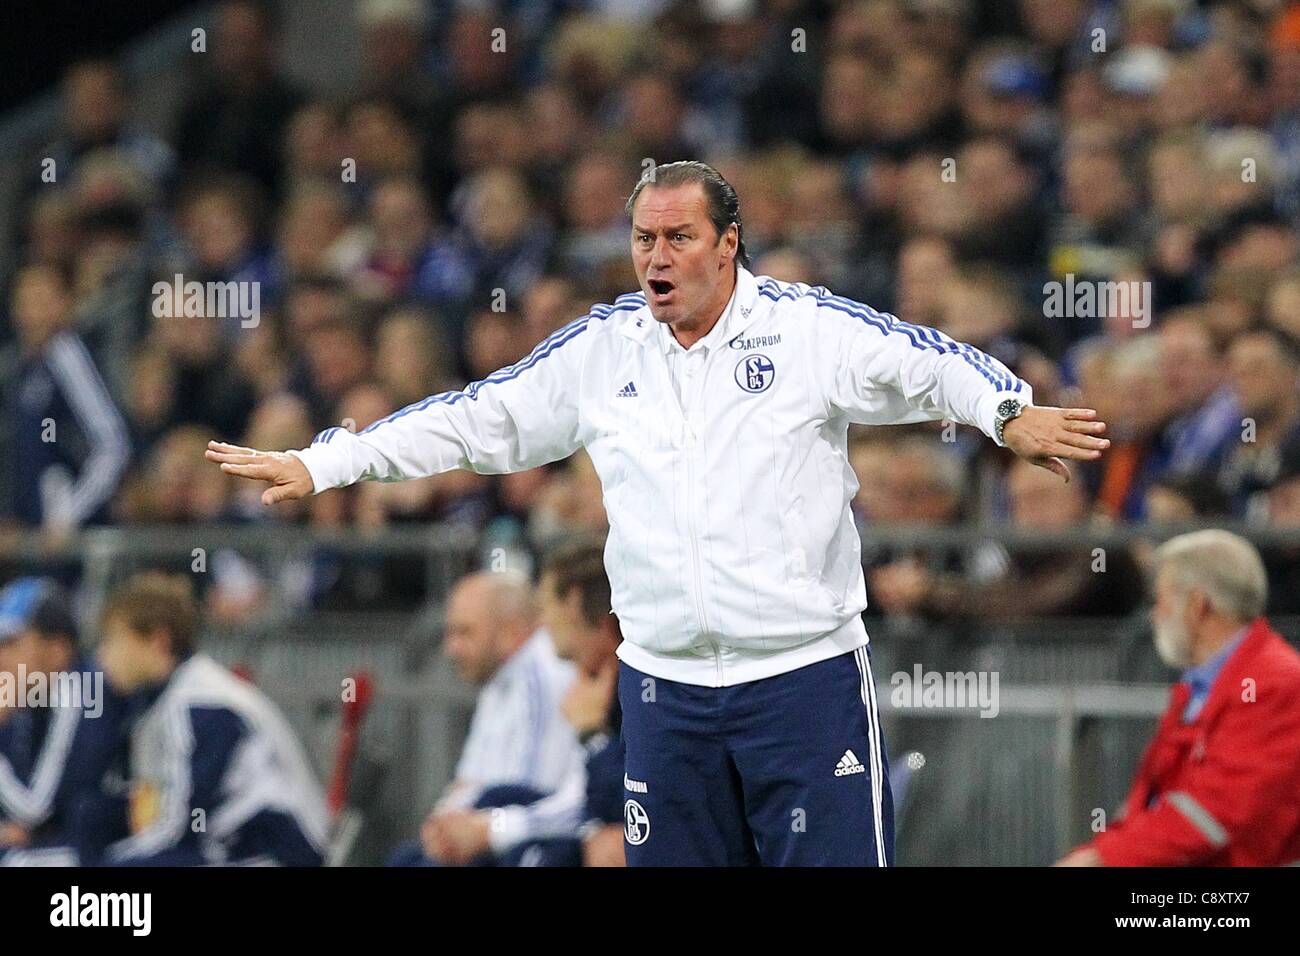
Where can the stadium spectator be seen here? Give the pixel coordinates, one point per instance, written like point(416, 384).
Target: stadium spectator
point(547, 307)
point(70, 445)
point(1098, 194)
point(336, 360)
point(233, 120)
point(1283, 561)
point(96, 107)
point(493, 340)
point(519, 747)
point(1207, 419)
point(149, 400)
point(239, 589)
point(595, 226)
point(1186, 497)
point(474, 68)
point(412, 360)
point(1033, 583)
point(925, 266)
point(1007, 224)
point(822, 226)
point(57, 748)
point(506, 243)
point(1140, 405)
point(653, 114)
point(1217, 784)
point(1004, 93)
point(395, 68)
point(313, 144)
point(207, 387)
point(174, 492)
point(381, 139)
point(409, 257)
point(1264, 366)
point(1283, 309)
point(1284, 94)
point(913, 482)
point(111, 275)
point(216, 775)
point(220, 222)
point(982, 307)
point(394, 34)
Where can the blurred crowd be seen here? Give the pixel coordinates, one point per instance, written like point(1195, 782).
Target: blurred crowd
point(944, 160)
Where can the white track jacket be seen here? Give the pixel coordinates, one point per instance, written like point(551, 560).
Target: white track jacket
point(733, 554)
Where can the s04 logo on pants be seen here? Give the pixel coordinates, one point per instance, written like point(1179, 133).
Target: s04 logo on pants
point(636, 823)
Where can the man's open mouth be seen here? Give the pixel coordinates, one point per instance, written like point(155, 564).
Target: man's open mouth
point(660, 287)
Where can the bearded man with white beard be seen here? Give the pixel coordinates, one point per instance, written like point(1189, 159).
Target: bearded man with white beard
point(1219, 785)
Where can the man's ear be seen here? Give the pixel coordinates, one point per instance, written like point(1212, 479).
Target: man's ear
point(729, 243)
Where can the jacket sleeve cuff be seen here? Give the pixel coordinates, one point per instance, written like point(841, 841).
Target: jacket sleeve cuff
point(316, 459)
point(988, 409)
point(508, 827)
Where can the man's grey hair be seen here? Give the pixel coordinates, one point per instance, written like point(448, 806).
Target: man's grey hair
point(1225, 567)
point(510, 595)
point(513, 596)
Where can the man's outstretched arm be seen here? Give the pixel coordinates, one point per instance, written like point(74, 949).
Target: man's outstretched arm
point(517, 418)
point(890, 372)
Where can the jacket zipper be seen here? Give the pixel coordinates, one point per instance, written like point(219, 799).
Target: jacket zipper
point(695, 548)
point(690, 437)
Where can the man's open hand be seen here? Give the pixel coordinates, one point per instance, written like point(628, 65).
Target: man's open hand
point(457, 837)
point(1047, 436)
point(288, 477)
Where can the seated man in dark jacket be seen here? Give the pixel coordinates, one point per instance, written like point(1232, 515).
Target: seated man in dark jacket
point(217, 775)
point(61, 733)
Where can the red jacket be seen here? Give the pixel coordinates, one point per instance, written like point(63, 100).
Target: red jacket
point(1223, 790)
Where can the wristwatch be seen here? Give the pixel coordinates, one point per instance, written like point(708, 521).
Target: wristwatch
point(1008, 409)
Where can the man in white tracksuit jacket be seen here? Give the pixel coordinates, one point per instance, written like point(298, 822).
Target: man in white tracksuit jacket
point(715, 405)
